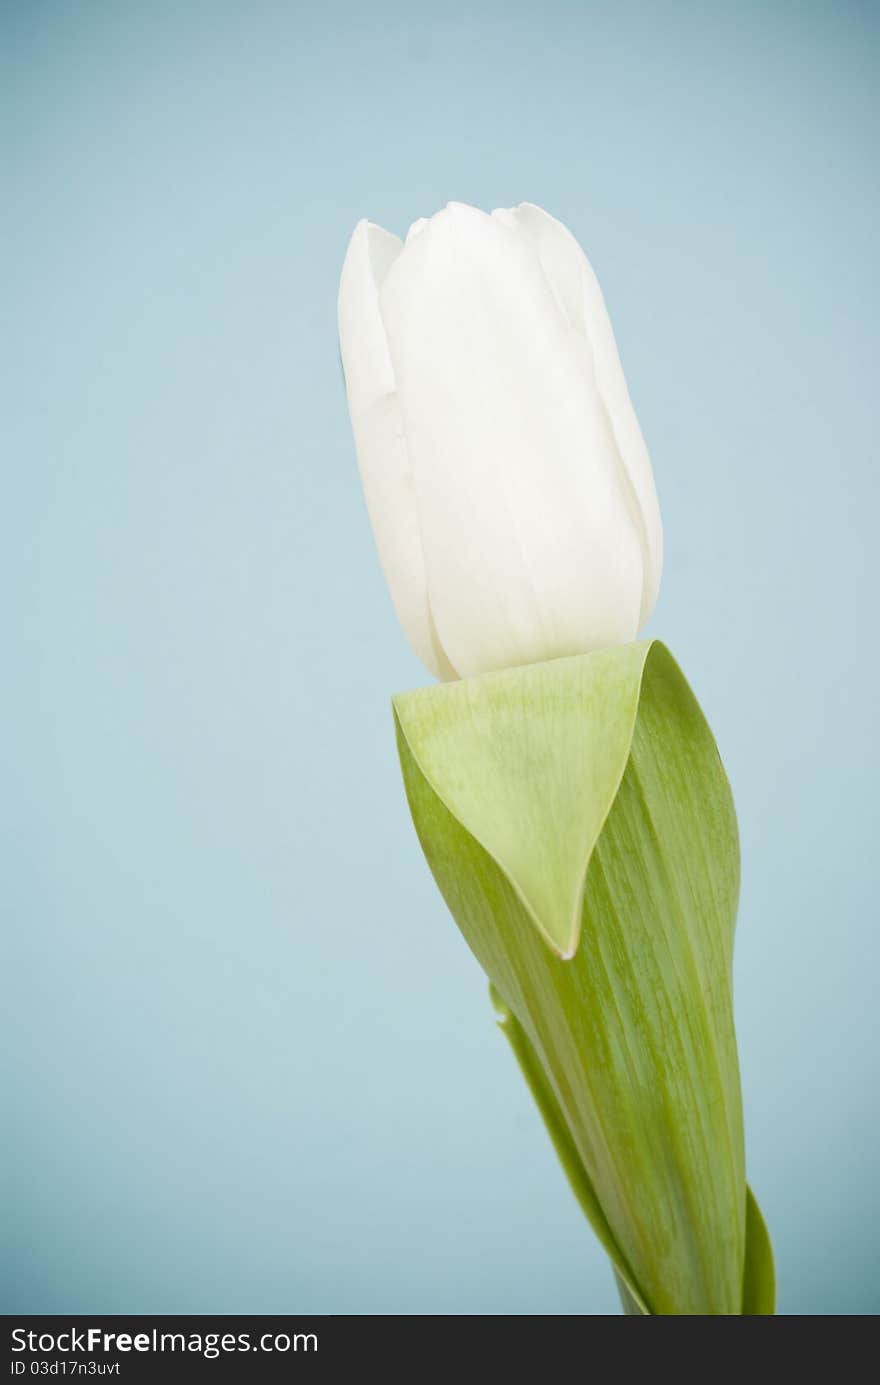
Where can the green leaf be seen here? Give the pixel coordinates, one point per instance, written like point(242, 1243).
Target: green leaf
point(565, 1147)
point(759, 1284)
point(630, 1306)
point(579, 823)
point(759, 1280)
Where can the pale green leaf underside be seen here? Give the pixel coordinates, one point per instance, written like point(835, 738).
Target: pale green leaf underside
point(572, 756)
point(579, 823)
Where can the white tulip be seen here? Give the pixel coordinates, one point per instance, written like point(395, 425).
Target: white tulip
point(508, 484)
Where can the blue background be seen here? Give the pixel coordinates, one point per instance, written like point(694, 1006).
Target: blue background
point(251, 1065)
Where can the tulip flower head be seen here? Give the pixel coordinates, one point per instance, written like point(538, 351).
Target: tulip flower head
point(508, 484)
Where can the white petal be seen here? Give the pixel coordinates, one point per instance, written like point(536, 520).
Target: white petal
point(577, 289)
point(379, 438)
point(416, 228)
point(368, 373)
point(530, 552)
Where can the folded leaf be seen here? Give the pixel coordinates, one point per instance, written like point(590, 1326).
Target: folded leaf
point(578, 821)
